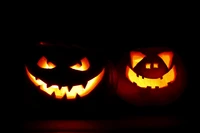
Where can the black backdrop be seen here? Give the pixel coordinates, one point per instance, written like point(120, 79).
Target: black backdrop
point(113, 42)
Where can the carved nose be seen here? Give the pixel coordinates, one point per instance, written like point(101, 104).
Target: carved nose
point(151, 65)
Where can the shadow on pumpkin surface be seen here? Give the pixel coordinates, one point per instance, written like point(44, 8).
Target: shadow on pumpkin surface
point(101, 109)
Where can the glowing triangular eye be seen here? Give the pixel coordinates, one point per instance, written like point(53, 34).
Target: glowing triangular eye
point(83, 66)
point(44, 64)
point(136, 57)
point(167, 58)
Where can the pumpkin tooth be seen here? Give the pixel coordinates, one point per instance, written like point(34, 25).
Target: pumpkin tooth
point(64, 97)
point(84, 85)
point(59, 87)
point(148, 87)
point(48, 85)
point(69, 87)
point(78, 97)
point(53, 94)
point(157, 87)
point(138, 75)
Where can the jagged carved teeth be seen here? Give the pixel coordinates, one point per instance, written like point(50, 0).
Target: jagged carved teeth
point(59, 87)
point(139, 76)
point(157, 87)
point(150, 87)
point(84, 85)
point(69, 86)
point(142, 77)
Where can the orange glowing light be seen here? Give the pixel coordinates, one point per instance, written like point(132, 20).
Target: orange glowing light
point(147, 82)
point(43, 63)
point(143, 82)
point(77, 89)
point(83, 66)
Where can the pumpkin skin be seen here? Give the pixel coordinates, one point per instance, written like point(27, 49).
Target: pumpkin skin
point(64, 71)
point(150, 76)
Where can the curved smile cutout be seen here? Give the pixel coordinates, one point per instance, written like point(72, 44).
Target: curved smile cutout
point(64, 90)
point(71, 92)
point(151, 83)
point(144, 82)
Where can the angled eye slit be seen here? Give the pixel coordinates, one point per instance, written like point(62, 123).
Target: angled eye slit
point(83, 66)
point(167, 58)
point(136, 57)
point(44, 64)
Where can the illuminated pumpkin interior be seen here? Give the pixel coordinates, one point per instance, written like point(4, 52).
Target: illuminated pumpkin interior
point(44, 64)
point(143, 82)
point(61, 92)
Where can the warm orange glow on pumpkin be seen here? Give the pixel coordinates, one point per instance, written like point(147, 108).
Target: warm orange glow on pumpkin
point(77, 89)
point(143, 82)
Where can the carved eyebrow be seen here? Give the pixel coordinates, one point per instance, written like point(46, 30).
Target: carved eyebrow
point(167, 57)
point(136, 57)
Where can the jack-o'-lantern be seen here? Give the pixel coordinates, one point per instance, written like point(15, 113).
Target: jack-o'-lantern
point(64, 72)
point(150, 76)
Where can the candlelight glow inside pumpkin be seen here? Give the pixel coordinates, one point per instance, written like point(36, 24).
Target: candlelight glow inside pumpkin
point(78, 73)
point(159, 80)
point(150, 76)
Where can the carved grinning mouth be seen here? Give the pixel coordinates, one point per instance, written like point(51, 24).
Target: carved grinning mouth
point(70, 92)
point(151, 83)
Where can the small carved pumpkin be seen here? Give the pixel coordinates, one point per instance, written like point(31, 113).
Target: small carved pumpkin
point(64, 72)
point(150, 76)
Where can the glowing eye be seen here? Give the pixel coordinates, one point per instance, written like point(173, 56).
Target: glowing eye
point(43, 63)
point(83, 66)
point(148, 66)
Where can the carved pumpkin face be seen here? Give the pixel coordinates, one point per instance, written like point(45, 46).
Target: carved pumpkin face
point(152, 72)
point(150, 76)
point(66, 73)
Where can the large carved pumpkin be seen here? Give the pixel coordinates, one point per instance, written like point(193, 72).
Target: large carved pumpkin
point(150, 76)
point(64, 72)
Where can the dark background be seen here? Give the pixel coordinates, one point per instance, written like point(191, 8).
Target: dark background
point(114, 40)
